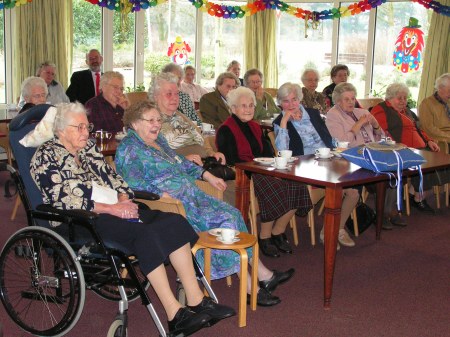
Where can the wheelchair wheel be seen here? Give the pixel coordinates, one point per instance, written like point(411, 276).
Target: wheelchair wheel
point(41, 282)
point(116, 328)
point(110, 290)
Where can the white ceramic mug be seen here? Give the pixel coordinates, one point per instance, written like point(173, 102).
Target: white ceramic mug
point(280, 162)
point(227, 234)
point(342, 145)
point(285, 154)
point(206, 127)
point(323, 152)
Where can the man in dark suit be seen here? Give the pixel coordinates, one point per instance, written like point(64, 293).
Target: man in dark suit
point(213, 106)
point(84, 84)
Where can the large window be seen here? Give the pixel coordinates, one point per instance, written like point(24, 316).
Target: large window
point(123, 46)
point(164, 23)
point(2, 58)
point(300, 48)
point(223, 42)
point(87, 31)
point(391, 18)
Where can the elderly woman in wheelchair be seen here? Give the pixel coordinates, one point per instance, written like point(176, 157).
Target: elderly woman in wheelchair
point(69, 170)
point(147, 163)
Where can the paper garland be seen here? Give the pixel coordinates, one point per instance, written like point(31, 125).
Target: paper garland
point(237, 12)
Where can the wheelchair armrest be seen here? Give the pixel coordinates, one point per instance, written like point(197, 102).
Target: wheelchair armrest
point(76, 214)
point(145, 195)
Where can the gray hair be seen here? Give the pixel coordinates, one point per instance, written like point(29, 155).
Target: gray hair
point(252, 72)
point(64, 114)
point(221, 78)
point(92, 51)
point(307, 71)
point(286, 89)
point(394, 89)
point(232, 64)
point(340, 89)
point(43, 65)
point(442, 81)
point(108, 76)
point(337, 68)
point(174, 69)
point(29, 83)
point(157, 82)
point(235, 94)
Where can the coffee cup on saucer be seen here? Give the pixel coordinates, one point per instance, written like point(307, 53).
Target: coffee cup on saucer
point(323, 152)
point(206, 127)
point(280, 162)
point(342, 144)
point(227, 235)
point(285, 154)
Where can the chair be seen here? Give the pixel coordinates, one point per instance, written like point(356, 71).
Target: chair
point(367, 103)
point(60, 263)
point(137, 96)
point(4, 141)
point(271, 91)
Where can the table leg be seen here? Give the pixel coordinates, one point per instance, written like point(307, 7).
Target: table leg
point(381, 195)
point(333, 203)
point(242, 193)
point(243, 288)
point(207, 258)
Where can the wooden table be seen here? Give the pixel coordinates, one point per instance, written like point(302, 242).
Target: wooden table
point(334, 175)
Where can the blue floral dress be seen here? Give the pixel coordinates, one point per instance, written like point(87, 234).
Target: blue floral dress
point(145, 168)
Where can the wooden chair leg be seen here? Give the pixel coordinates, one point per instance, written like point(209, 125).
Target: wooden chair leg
point(16, 207)
point(436, 190)
point(312, 228)
point(406, 197)
point(229, 281)
point(355, 222)
point(446, 188)
point(293, 223)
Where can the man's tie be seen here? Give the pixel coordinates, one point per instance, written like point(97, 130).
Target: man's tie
point(97, 83)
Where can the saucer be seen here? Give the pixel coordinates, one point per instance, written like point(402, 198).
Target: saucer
point(217, 231)
point(328, 156)
point(287, 167)
point(120, 136)
point(264, 160)
point(227, 242)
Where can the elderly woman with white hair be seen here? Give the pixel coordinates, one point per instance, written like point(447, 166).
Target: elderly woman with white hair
point(34, 92)
point(312, 98)
point(106, 109)
point(241, 140)
point(303, 131)
point(434, 111)
point(67, 170)
point(403, 126)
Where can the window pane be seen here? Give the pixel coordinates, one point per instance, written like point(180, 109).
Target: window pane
point(87, 31)
point(123, 47)
point(297, 52)
point(2, 58)
point(223, 42)
point(391, 18)
point(163, 24)
point(352, 47)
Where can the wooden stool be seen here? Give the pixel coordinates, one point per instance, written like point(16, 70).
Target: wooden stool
point(207, 242)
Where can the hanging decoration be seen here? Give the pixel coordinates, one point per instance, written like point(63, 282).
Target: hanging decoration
point(408, 47)
point(237, 12)
point(179, 51)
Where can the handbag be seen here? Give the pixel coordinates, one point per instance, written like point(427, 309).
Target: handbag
point(386, 158)
point(366, 216)
point(216, 168)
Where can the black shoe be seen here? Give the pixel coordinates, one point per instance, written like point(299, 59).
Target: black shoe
point(277, 278)
point(187, 322)
point(268, 248)
point(264, 299)
point(215, 310)
point(398, 220)
point(282, 243)
point(387, 226)
point(421, 205)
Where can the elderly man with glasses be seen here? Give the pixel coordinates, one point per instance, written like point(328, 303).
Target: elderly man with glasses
point(106, 109)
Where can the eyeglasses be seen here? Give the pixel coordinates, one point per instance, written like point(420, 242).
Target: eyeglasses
point(82, 126)
point(116, 87)
point(255, 82)
point(289, 101)
point(37, 96)
point(245, 106)
point(152, 121)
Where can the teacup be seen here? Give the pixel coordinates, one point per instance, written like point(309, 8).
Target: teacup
point(227, 234)
point(285, 154)
point(323, 152)
point(280, 162)
point(206, 127)
point(342, 145)
point(102, 134)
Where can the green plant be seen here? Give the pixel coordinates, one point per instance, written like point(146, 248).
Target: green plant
point(412, 103)
point(155, 61)
point(137, 88)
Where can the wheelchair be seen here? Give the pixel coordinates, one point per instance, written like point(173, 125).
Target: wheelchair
point(45, 271)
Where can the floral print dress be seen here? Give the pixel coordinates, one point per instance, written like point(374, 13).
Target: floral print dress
point(148, 169)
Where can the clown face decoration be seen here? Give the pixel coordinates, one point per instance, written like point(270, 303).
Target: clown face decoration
point(179, 51)
point(408, 47)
